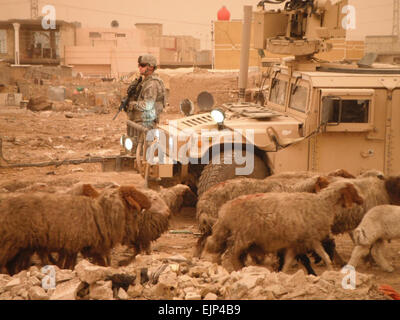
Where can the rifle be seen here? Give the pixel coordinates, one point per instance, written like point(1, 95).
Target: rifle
point(132, 92)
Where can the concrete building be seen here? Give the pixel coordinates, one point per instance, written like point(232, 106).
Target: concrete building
point(107, 52)
point(175, 51)
point(25, 41)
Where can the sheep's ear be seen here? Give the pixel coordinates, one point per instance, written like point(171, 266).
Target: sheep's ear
point(342, 173)
point(392, 186)
point(349, 196)
point(133, 203)
point(89, 191)
point(321, 183)
point(134, 197)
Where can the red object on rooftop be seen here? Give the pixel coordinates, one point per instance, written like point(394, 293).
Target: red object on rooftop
point(224, 14)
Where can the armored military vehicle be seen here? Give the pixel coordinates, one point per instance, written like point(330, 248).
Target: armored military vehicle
point(317, 116)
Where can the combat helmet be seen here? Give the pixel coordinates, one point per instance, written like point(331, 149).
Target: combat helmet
point(149, 59)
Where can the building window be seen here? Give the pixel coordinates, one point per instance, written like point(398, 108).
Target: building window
point(3, 41)
point(120, 35)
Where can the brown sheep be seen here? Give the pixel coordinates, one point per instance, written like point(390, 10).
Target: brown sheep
point(297, 222)
point(68, 224)
point(151, 222)
point(211, 201)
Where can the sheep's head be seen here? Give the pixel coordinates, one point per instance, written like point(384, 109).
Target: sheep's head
point(134, 198)
point(321, 183)
point(341, 173)
point(392, 186)
point(349, 195)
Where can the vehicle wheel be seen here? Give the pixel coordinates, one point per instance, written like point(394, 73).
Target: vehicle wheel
point(216, 173)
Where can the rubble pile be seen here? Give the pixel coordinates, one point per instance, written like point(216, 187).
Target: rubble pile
point(176, 277)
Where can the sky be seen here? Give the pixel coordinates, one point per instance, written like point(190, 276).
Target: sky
point(184, 17)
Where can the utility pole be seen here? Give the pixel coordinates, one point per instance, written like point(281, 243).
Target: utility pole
point(34, 9)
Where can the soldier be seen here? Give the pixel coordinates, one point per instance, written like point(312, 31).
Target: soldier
point(149, 98)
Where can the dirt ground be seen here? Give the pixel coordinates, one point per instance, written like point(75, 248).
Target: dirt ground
point(30, 137)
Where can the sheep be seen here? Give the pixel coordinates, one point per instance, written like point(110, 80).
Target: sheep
point(379, 224)
point(155, 221)
point(211, 201)
point(68, 223)
point(141, 229)
point(297, 222)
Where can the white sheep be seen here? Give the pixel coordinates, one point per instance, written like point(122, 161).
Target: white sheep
point(297, 222)
point(379, 224)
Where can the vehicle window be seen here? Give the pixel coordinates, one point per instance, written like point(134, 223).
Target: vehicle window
point(348, 111)
point(298, 99)
point(278, 92)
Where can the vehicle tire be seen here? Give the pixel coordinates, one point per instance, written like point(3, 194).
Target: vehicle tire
point(216, 173)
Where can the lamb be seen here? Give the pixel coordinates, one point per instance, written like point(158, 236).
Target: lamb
point(297, 222)
point(379, 224)
point(68, 223)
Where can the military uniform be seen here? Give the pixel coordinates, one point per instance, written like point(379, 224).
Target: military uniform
point(150, 103)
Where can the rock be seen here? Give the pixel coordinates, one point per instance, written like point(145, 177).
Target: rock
point(91, 273)
point(192, 296)
point(67, 290)
point(5, 296)
point(122, 295)
point(166, 288)
point(178, 258)
point(197, 271)
point(135, 291)
point(101, 290)
point(210, 296)
point(37, 293)
point(23, 293)
point(248, 282)
point(39, 104)
point(297, 280)
point(13, 283)
point(276, 289)
point(65, 275)
point(33, 281)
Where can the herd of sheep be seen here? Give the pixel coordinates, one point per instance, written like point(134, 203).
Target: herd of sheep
point(291, 214)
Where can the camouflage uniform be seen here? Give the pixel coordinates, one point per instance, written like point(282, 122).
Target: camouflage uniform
point(150, 103)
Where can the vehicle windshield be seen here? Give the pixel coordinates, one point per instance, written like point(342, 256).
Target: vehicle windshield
point(298, 98)
point(278, 92)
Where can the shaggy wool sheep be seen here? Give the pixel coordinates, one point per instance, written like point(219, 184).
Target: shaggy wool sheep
point(212, 200)
point(297, 222)
point(150, 224)
point(379, 224)
point(68, 224)
point(376, 192)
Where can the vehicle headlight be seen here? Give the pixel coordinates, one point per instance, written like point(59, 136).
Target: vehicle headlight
point(218, 116)
point(128, 144)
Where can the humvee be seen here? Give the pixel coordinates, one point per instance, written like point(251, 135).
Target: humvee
point(317, 116)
